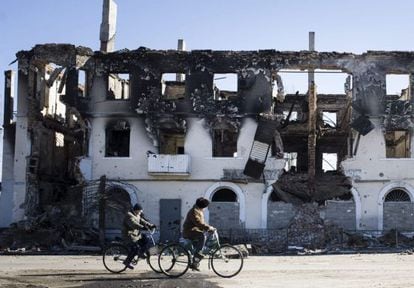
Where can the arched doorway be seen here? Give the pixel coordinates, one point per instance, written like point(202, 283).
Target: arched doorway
point(224, 210)
point(397, 210)
point(117, 203)
point(279, 213)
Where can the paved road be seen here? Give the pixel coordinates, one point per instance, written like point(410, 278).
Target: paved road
point(347, 271)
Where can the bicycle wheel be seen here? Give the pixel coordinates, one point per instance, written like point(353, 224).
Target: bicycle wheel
point(227, 261)
point(152, 258)
point(114, 256)
point(174, 260)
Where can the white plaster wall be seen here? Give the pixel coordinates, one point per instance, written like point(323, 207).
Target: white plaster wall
point(371, 171)
point(132, 167)
point(253, 193)
point(22, 151)
point(198, 145)
point(150, 193)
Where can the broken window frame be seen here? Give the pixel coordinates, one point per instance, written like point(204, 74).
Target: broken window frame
point(83, 75)
point(125, 92)
point(327, 121)
point(47, 90)
point(113, 143)
point(216, 89)
point(404, 93)
point(221, 153)
point(167, 82)
point(167, 139)
point(324, 161)
point(389, 153)
point(291, 164)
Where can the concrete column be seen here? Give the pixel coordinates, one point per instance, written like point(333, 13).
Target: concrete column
point(313, 110)
point(6, 196)
point(180, 47)
point(22, 147)
point(312, 137)
point(311, 73)
point(108, 26)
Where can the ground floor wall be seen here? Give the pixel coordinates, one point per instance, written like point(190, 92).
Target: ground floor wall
point(253, 208)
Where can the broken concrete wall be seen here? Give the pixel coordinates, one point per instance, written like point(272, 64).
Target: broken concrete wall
point(45, 132)
point(148, 111)
point(279, 214)
point(341, 213)
point(398, 216)
point(225, 215)
point(9, 134)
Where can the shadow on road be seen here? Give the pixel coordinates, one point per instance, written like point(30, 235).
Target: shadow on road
point(103, 280)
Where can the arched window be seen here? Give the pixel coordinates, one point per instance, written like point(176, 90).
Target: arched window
point(224, 195)
point(117, 136)
point(397, 195)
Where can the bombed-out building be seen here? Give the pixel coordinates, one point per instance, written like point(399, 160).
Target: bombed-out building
point(97, 131)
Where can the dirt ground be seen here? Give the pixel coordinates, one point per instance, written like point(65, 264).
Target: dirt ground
point(356, 270)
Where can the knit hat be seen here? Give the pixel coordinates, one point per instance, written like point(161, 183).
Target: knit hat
point(202, 202)
point(137, 207)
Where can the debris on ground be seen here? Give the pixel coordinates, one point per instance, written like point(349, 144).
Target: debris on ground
point(55, 230)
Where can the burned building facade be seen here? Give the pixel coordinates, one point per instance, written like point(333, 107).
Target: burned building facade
point(161, 129)
point(84, 114)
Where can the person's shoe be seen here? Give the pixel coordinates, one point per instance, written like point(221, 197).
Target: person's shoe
point(129, 266)
point(195, 266)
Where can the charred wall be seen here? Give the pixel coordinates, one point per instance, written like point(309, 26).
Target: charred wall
point(164, 111)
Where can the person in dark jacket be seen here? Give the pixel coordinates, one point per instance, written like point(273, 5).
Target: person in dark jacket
point(194, 227)
point(132, 224)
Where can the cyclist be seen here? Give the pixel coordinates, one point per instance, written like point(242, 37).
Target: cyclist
point(134, 222)
point(194, 228)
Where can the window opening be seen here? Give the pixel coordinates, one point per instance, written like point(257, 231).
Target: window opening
point(171, 144)
point(225, 86)
point(331, 81)
point(397, 144)
point(82, 83)
point(117, 139)
point(398, 84)
point(329, 119)
point(173, 85)
point(118, 86)
point(224, 143)
point(329, 162)
point(397, 195)
point(291, 161)
point(224, 195)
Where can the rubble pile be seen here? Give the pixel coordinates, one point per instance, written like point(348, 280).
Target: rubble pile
point(59, 228)
point(307, 228)
point(294, 188)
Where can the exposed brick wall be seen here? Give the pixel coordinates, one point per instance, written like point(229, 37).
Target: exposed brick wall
point(279, 214)
point(225, 215)
point(341, 213)
point(398, 215)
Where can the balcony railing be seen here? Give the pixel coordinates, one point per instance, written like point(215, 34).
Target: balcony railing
point(169, 164)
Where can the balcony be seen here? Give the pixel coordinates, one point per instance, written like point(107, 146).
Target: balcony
point(169, 164)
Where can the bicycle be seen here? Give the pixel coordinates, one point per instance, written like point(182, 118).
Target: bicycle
point(116, 253)
point(225, 260)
